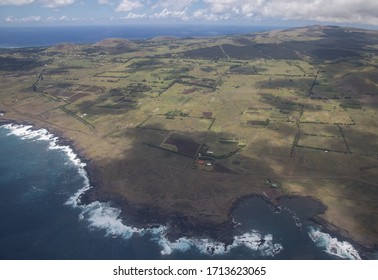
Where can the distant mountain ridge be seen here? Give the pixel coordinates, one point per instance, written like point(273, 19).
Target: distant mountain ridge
point(114, 43)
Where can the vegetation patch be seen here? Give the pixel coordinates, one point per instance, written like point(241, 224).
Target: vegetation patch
point(245, 70)
point(19, 64)
point(330, 54)
point(258, 122)
point(326, 143)
point(228, 140)
point(146, 65)
point(211, 53)
point(183, 144)
point(175, 113)
point(222, 169)
point(112, 74)
point(192, 81)
point(161, 122)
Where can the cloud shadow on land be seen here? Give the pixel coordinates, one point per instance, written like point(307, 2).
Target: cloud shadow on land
point(153, 186)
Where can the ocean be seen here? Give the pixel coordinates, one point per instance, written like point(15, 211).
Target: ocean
point(41, 216)
point(21, 36)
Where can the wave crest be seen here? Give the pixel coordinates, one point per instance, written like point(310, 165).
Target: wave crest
point(333, 246)
point(253, 240)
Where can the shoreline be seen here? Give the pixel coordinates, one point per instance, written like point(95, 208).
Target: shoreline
point(147, 216)
point(326, 226)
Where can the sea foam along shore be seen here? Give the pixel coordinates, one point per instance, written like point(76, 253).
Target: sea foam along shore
point(258, 243)
point(332, 246)
point(104, 216)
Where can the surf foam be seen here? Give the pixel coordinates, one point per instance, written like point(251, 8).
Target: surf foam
point(255, 241)
point(27, 132)
point(333, 246)
point(104, 216)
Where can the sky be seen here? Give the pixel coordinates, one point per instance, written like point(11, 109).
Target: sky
point(262, 12)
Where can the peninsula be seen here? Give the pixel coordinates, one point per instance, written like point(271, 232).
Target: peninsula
point(177, 131)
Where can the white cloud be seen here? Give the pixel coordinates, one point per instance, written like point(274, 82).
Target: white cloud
point(128, 5)
point(203, 14)
point(45, 3)
point(352, 11)
point(65, 18)
point(9, 19)
point(361, 11)
point(32, 18)
point(24, 19)
point(174, 5)
point(56, 3)
point(221, 6)
point(15, 2)
point(134, 16)
point(325, 10)
point(166, 13)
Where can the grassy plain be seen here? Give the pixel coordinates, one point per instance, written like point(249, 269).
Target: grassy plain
point(190, 126)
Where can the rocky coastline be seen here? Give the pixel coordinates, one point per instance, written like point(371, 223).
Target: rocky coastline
point(143, 215)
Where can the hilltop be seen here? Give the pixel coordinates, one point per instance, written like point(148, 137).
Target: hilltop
point(63, 47)
point(179, 132)
point(114, 43)
point(164, 38)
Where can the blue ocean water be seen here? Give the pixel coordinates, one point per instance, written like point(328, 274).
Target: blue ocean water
point(51, 35)
point(41, 217)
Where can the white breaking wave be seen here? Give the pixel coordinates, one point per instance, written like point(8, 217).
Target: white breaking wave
point(257, 242)
point(263, 244)
point(104, 216)
point(26, 132)
point(332, 246)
